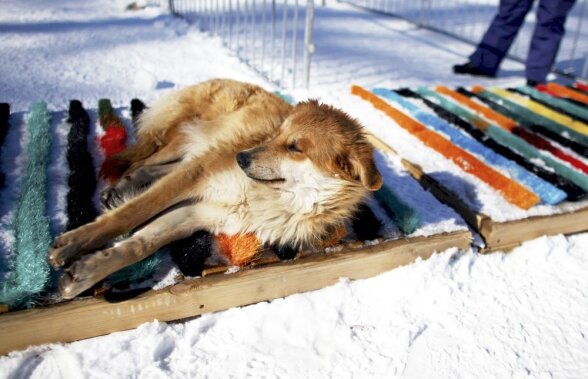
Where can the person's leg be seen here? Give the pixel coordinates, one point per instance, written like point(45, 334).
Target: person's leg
point(551, 17)
point(500, 34)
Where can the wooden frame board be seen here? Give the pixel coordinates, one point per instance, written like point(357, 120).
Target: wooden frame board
point(85, 318)
point(497, 235)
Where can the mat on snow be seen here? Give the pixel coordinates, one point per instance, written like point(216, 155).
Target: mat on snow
point(483, 134)
point(402, 223)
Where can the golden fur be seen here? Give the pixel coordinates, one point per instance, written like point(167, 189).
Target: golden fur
point(226, 157)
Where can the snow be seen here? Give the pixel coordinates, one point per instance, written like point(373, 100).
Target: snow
point(435, 217)
point(87, 50)
point(454, 315)
point(458, 314)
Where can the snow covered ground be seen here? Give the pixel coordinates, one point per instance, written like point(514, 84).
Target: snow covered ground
point(455, 315)
point(458, 314)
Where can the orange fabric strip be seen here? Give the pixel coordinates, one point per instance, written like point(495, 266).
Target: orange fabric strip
point(566, 92)
point(512, 191)
point(238, 249)
point(500, 119)
point(334, 238)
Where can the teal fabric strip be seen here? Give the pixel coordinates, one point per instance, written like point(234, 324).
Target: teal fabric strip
point(403, 216)
point(30, 270)
point(534, 118)
point(287, 98)
point(136, 272)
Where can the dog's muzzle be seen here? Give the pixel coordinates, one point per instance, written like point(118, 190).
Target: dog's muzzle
point(244, 160)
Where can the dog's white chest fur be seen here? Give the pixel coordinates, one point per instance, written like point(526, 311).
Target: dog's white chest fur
point(242, 205)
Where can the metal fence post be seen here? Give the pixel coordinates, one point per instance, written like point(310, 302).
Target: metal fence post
point(273, 37)
point(294, 42)
point(308, 44)
point(238, 29)
point(239, 25)
point(253, 32)
point(263, 30)
point(230, 16)
point(246, 35)
point(284, 28)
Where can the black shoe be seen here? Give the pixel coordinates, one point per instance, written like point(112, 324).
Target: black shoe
point(471, 69)
point(533, 83)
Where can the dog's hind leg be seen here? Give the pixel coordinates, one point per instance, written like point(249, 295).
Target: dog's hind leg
point(133, 184)
point(146, 152)
point(171, 226)
point(173, 188)
point(142, 174)
point(168, 153)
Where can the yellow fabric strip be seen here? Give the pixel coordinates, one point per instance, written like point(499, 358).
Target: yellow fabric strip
point(542, 110)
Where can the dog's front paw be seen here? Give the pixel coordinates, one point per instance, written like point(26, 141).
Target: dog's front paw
point(66, 247)
point(76, 279)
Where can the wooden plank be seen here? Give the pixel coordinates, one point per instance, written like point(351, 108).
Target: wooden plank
point(87, 318)
point(496, 235)
point(506, 234)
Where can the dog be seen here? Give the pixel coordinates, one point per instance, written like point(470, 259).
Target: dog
point(225, 157)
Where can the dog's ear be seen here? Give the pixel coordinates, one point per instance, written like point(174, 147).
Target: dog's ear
point(364, 165)
point(359, 166)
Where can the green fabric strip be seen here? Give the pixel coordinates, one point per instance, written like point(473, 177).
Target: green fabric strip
point(105, 112)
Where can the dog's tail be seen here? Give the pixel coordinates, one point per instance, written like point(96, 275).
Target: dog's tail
point(116, 165)
point(153, 126)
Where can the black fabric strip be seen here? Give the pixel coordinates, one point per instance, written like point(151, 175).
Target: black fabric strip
point(4, 116)
point(573, 191)
point(82, 177)
point(285, 253)
point(365, 224)
point(137, 107)
point(190, 253)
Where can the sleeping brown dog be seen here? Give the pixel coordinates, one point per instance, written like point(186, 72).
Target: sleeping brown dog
point(226, 157)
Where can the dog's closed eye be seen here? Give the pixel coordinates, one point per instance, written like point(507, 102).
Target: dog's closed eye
point(293, 147)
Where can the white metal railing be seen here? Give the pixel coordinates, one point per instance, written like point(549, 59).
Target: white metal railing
point(274, 37)
point(469, 19)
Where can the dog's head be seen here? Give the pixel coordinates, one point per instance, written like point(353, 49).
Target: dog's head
point(316, 143)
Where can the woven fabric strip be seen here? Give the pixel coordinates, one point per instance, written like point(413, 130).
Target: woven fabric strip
point(29, 274)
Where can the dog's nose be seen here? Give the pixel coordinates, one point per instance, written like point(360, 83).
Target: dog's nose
point(244, 159)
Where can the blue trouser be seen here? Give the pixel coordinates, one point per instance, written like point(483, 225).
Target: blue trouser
point(549, 30)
